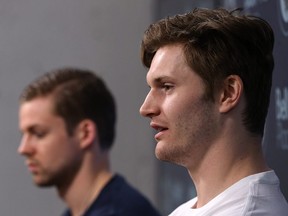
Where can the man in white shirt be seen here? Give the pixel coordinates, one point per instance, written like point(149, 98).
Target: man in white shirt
point(210, 77)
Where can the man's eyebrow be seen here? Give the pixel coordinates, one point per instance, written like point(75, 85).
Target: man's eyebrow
point(160, 79)
point(31, 128)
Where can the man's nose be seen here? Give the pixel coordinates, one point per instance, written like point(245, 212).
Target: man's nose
point(149, 107)
point(25, 147)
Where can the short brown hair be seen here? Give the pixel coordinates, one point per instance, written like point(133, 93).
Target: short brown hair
point(78, 94)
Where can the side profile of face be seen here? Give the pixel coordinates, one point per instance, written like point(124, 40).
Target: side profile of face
point(51, 154)
point(186, 122)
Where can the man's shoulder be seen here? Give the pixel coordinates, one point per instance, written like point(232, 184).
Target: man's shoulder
point(265, 196)
point(258, 194)
point(184, 208)
point(126, 199)
point(120, 186)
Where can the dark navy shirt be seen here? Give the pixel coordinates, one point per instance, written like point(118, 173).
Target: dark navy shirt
point(118, 198)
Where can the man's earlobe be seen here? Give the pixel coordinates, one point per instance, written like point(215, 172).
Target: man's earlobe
point(231, 93)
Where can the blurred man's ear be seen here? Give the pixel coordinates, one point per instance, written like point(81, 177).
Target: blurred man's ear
point(231, 93)
point(86, 133)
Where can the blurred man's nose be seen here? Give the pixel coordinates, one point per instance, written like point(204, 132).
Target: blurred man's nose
point(25, 148)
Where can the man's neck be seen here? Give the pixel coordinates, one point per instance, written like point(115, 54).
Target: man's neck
point(218, 171)
point(85, 187)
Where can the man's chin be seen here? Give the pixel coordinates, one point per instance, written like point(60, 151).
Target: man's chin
point(168, 156)
point(162, 155)
point(43, 183)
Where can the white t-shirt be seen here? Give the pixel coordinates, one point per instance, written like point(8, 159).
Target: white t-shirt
point(255, 195)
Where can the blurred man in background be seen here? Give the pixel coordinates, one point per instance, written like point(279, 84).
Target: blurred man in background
point(67, 119)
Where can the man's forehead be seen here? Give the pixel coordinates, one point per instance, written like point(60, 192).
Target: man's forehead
point(167, 61)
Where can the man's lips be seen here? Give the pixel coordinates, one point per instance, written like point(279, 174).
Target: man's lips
point(32, 166)
point(160, 128)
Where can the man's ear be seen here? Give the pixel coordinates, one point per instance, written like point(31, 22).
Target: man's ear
point(86, 133)
point(231, 93)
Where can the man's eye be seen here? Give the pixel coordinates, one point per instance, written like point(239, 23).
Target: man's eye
point(167, 87)
point(39, 134)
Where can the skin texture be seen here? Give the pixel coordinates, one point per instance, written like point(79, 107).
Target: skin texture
point(207, 137)
point(51, 154)
point(74, 164)
point(176, 103)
